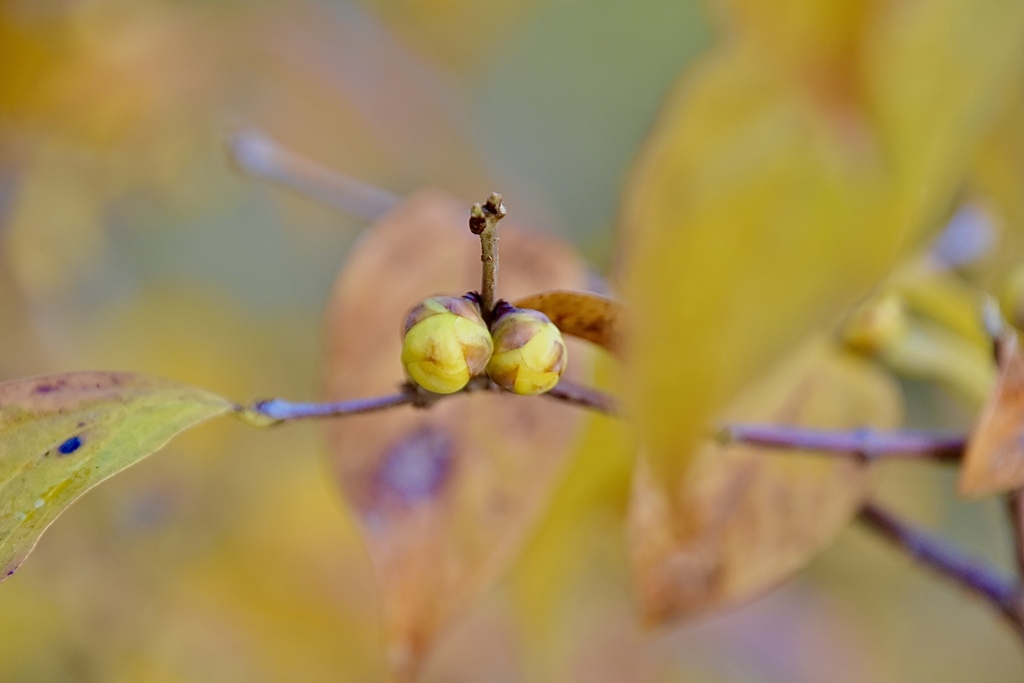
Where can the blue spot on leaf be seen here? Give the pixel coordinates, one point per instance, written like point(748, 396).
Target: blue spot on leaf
point(70, 446)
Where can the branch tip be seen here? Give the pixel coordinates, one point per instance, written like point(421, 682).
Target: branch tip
point(483, 221)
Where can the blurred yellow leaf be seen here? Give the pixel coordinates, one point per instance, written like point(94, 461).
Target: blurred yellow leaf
point(996, 176)
point(443, 496)
point(743, 230)
point(994, 461)
point(753, 516)
point(76, 73)
point(1011, 297)
point(762, 206)
point(34, 52)
point(61, 435)
point(51, 243)
point(593, 317)
point(581, 532)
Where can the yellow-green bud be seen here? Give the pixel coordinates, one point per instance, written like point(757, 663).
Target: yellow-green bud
point(877, 325)
point(446, 343)
point(529, 352)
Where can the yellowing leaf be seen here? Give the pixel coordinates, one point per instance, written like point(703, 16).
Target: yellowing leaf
point(761, 207)
point(52, 243)
point(580, 536)
point(1011, 297)
point(443, 496)
point(994, 461)
point(589, 316)
point(61, 435)
point(744, 224)
point(745, 518)
point(997, 172)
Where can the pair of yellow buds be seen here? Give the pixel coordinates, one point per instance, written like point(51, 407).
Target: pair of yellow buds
point(447, 343)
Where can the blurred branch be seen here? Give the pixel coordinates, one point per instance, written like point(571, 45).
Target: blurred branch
point(862, 443)
point(260, 156)
point(1015, 510)
point(973, 574)
point(585, 397)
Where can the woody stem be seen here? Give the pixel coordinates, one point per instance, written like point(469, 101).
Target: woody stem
point(483, 221)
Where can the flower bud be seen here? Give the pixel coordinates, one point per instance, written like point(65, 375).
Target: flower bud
point(877, 325)
point(529, 352)
point(446, 343)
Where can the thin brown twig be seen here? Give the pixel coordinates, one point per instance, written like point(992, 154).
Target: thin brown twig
point(973, 574)
point(483, 221)
point(862, 443)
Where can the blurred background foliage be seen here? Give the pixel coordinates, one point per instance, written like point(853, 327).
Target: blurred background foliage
point(128, 241)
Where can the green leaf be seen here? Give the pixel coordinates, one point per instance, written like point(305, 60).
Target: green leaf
point(60, 435)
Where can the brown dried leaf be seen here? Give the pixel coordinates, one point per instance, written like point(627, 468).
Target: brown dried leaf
point(748, 517)
point(593, 317)
point(443, 496)
point(994, 461)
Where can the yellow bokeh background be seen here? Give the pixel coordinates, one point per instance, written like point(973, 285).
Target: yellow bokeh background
point(129, 241)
